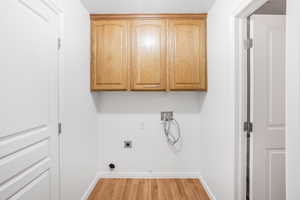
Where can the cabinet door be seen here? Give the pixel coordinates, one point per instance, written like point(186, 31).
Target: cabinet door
point(187, 54)
point(110, 54)
point(148, 60)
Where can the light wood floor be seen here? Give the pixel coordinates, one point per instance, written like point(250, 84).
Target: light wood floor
point(149, 189)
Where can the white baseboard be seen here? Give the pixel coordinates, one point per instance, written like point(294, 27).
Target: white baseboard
point(149, 175)
point(91, 187)
point(207, 189)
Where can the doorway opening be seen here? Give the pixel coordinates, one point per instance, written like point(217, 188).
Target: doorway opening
point(260, 63)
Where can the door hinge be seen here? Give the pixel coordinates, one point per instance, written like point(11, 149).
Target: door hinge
point(249, 43)
point(58, 43)
point(248, 127)
point(59, 128)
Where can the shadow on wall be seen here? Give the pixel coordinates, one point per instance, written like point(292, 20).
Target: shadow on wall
point(148, 102)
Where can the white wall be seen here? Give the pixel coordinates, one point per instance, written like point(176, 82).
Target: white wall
point(207, 120)
point(121, 117)
point(293, 100)
point(218, 134)
point(78, 111)
point(121, 113)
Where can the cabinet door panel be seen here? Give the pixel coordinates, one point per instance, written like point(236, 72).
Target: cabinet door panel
point(148, 61)
point(187, 54)
point(110, 55)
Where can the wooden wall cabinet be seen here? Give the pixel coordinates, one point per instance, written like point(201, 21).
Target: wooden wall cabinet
point(187, 54)
point(149, 52)
point(110, 54)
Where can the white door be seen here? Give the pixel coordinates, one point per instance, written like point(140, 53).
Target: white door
point(28, 100)
point(268, 107)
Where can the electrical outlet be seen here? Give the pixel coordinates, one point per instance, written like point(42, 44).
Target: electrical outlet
point(127, 144)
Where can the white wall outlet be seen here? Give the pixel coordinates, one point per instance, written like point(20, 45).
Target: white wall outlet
point(142, 126)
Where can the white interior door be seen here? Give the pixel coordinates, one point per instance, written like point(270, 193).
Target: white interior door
point(268, 107)
point(28, 100)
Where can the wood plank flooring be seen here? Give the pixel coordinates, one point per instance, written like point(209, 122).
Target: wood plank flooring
point(149, 189)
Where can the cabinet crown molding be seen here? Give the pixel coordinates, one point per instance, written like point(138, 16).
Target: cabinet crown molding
point(150, 16)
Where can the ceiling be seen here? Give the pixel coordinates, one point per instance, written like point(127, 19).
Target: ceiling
point(148, 6)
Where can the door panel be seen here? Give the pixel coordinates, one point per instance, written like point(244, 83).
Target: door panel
point(268, 107)
point(187, 54)
point(148, 60)
point(29, 100)
point(38, 189)
point(110, 54)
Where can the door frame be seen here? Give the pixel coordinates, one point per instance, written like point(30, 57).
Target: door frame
point(60, 73)
point(56, 7)
point(240, 34)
